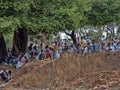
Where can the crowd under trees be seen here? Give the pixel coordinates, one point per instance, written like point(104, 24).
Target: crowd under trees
point(25, 17)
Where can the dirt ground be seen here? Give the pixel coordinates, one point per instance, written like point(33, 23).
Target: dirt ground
point(105, 77)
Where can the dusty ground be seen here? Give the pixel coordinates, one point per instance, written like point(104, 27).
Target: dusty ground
point(71, 72)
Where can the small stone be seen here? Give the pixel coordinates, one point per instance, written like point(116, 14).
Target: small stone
point(118, 84)
point(103, 87)
point(95, 88)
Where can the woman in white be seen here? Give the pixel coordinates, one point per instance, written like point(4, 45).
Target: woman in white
point(85, 50)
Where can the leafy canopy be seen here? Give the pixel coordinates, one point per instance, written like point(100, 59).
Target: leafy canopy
point(103, 12)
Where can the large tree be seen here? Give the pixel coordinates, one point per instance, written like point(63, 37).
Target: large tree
point(60, 15)
point(14, 18)
point(104, 13)
point(3, 52)
point(6, 26)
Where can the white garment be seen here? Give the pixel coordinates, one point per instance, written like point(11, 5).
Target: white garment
point(112, 48)
point(1, 71)
point(39, 49)
point(19, 64)
point(103, 38)
point(37, 57)
point(27, 55)
point(60, 49)
point(106, 48)
point(118, 47)
point(57, 55)
point(85, 50)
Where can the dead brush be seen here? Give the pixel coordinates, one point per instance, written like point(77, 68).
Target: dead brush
point(61, 72)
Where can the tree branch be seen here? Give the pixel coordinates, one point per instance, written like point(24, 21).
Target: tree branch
point(67, 33)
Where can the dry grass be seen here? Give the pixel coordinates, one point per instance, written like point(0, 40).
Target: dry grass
point(69, 71)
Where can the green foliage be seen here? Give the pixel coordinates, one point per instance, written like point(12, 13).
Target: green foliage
point(70, 15)
point(9, 39)
point(48, 16)
point(58, 15)
point(13, 14)
point(103, 12)
point(51, 16)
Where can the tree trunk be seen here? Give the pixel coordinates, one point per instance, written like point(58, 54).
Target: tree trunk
point(118, 29)
point(44, 39)
point(73, 37)
point(3, 50)
point(20, 41)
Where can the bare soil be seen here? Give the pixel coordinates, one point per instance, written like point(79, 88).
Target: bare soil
point(99, 71)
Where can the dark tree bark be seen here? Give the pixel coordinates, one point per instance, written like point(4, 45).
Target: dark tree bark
point(73, 37)
point(20, 41)
point(3, 50)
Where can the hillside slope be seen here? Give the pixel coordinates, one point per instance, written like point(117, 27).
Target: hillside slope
point(97, 71)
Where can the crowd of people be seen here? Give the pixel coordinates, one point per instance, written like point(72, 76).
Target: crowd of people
point(53, 51)
point(83, 47)
point(5, 75)
point(89, 45)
